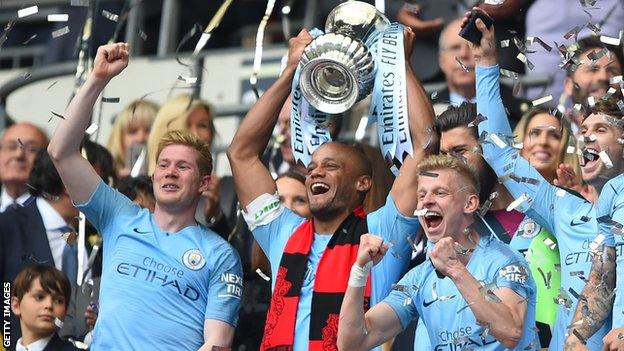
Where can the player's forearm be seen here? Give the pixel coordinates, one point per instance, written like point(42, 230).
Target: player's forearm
point(351, 327)
point(69, 132)
point(596, 301)
point(255, 131)
point(491, 314)
point(421, 116)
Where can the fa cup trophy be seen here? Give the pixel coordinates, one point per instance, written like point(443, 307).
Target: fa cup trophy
point(338, 68)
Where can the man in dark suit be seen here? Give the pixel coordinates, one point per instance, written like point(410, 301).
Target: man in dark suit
point(457, 64)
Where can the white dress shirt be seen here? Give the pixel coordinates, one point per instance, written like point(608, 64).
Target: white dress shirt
point(6, 200)
point(53, 223)
point(38, 345)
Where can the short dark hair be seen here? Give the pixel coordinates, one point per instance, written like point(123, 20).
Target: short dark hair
point(364, 160)
point(294, 175)
point(132, 186)
point(43, 177)
point(593, 42)
point(608, 106)
point(457, 116)
point(51, 279)
point(99, 157)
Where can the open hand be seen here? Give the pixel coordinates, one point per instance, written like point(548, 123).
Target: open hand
point(566, 178)
point(614, 340)
point(110, 60)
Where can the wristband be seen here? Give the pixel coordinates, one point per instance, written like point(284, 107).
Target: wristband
point(359, 275)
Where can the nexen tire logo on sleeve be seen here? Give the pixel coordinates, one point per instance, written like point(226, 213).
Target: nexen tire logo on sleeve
point(193, 259)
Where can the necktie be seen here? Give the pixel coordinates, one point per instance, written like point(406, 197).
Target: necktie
point(69, 263)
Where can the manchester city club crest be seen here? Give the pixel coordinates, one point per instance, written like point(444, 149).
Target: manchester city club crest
point(528, 228)
point(194, 259)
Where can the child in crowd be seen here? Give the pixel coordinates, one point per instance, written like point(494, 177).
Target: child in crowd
point(39, 300)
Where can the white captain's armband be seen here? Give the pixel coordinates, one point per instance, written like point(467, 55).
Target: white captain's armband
point(261, 211)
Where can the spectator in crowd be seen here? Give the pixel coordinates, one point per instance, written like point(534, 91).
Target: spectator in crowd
point(131, 128)
point(551, 20)
point(338, 179)
point(591, 77)
point(152, 258)
point(195, 116)
point(20, 144)
point(489, 286)
point(40, 296)
point(603, 296)
point(139, 190)
point(568, 216)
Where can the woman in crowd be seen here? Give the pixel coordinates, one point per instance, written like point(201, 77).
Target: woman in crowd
point(131, 127)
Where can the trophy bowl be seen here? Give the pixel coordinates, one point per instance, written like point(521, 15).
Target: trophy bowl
point(337, 68)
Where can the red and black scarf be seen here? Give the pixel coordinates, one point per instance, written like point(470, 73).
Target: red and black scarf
point(332, 275)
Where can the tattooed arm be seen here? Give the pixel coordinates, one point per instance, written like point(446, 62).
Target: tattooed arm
point(596, 301)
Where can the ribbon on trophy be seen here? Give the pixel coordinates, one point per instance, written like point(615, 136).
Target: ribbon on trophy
point(389, 99)
point(308, 126)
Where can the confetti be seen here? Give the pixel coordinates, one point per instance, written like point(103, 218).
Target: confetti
point(142, 35)
point(494, 2)
point(508, 73)
point(110, 16)
point(595, 29)
point(480, 118)
point(84, 3)
point(532, 40)
point(25, 75)
point(60, 32)
point(407, 301)
point(58, 17)
point(560, 192)
point(29, 39)
point(498, 141)
point(58, 323)
point(110, 100)
point(428, 174)
point(579, 274)
point(522, 57)
point(91, 129)
point(616, 80)
point(488, 203)
point(610, 40)
point(51, 85)
point(70, 237)
point(605, 159)
point(463, 66)
point(78, 344)
point(563, 299)
point(57, 115)
point(574, 31)
point(517, 202)
point(27, 11)
point(547, 277)
point(542, 100)
point(262, 275)
point(188, 80)
point(504, 43)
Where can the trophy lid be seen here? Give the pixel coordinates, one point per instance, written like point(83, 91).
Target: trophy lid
point(355, 19)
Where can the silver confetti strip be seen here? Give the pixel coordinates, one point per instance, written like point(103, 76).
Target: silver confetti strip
point(480, 118)
point(532, 40)
point(610, 40)
point(58, 17)
point(29, 39)
point(573, 32)
point(82, 3)
point(563, 299)
point(58, 323)
point(595, 29)
point(110, 16)
point(253, 80)
point(547, 277)
point(428, 174)
point(604, 157)
point(463, 66)
point(542, 100)
point(509, 74)
point(91, 129)
point(60, 32)
point(522, 57)
point(519, 201)
point(504, 43)
point(29, 11)
point(262, 275)
point(212, 25)
point(113, 100)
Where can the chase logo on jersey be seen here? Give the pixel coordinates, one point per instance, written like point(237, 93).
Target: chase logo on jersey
point(528, 228)
point(514, 273)
point(193, 259)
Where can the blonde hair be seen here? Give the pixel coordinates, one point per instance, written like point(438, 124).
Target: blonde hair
point(567, 139)
point(178, 137)
point(441, 162)
point(140, 111)
point(173, 115)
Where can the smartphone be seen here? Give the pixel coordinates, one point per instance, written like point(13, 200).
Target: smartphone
point(470, 32)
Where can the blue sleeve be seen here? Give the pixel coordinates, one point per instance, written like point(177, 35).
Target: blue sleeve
point(226, 287)
point(272, 237)
point(395, 228)
point(404, 301)
point(105, 205)
point(610, 209)
point(516, 276)
point(544, 199)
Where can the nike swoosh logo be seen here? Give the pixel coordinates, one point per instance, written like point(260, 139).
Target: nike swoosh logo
point(426, 304)
point(573, 224)
point(136, 230)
